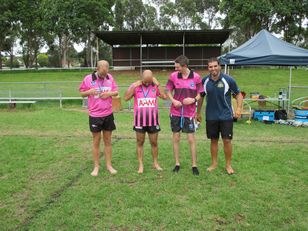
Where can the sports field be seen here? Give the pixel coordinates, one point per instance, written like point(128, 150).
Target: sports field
point(46, 161)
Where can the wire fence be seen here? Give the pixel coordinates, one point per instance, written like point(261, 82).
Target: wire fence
point(60, 91)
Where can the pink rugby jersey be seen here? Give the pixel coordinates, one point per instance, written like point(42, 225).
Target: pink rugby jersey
point(99, 107)
point(146, 105)
point(184, 88)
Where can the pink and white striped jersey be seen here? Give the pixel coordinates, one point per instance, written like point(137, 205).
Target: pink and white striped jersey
point(146, 105)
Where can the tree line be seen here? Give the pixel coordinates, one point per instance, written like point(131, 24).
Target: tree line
point(59, 24)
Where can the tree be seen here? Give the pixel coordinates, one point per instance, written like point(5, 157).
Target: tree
point(119, 15)
point(135, 15)
point(289, 18)
point(246, 18)
point(8, 26)
point(31, 29)
point(207, 10)
point(42, 60)
point(86, 24)
point(249, 17)
point(58, 20)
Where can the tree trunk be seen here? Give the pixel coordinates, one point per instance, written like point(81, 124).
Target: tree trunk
point(89, 50)
point(64, 51)
point(11, 57)
point(0, 60)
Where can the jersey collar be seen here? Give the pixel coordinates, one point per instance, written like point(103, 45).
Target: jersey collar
point(219, 77)
point(190, 76)
point(95, 77)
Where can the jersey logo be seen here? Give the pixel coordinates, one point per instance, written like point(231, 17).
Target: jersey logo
point(192, 84)
point(146, 102)
point(104, 89)
point(220, 84)
point(153, 90)
point(92, 83)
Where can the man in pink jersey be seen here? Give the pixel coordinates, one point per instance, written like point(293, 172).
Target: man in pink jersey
point(99, 87)
point(183, 89)
point(145, 93)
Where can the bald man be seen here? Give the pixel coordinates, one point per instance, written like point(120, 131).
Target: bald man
point(99, 87)
point(145, 93)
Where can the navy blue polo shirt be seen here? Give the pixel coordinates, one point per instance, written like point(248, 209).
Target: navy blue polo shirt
point(218, 97)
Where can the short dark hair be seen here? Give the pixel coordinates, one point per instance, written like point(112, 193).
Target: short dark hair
point(213, 59)
point(182, 60)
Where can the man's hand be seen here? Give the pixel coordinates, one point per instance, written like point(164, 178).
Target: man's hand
point(93, 91)
point(155, 81)
point(198, 117)
point(104, 95)
point(176, 103)
point(137, 83)
point(237, 113)
point(188, 101)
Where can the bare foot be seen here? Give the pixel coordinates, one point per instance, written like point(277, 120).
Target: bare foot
point(112, 170)
point(157, 167)
point(95, 171)
point(140, 170)
point(230, 170)
point(212, 167)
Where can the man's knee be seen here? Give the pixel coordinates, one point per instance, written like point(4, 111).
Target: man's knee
point(107, 140)
point(153, 143)
point(176, 137)
point(140, 140)
point(214, 141)
point(226, 141)
point(191, 138)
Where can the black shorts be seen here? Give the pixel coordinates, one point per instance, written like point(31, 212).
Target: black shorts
point(98, 124)
point(148, 129)
point(224, 127)
point(188, 124)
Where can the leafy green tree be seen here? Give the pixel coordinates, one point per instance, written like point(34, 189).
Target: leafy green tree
point(31, 29)
point(8, 26)
point(42, 60)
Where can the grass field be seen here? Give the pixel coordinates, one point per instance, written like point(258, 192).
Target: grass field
point(46, 163)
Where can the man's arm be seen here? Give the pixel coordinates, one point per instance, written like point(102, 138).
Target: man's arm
point(105, 95)
point(189, 100)
point(239, 105)
point(160, 89)
point(131, 90)
point(91, 91)
point(175, 102)
point(199, 108)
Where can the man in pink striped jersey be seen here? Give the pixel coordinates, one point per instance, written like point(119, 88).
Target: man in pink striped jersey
point(183, 89)
point(145, 93)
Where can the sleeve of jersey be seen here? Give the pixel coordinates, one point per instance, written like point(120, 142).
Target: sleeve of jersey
point(199, 85)
point(170, 84)
point(233, 86)
point(202, 93)
point(132, 86)
point(114, 86)
point(157, 91)
point(83, 86)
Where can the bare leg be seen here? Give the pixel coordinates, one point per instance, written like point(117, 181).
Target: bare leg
point(140, 141)
point(176, 139)
point(108, 151)
point(95, 152)
point(192, 144)
point(214, 153)
point(228, 155)
point(153, 141)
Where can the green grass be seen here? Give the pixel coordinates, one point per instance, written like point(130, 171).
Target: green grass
point(45, 155)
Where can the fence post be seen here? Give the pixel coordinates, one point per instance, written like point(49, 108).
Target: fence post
point(60, 99)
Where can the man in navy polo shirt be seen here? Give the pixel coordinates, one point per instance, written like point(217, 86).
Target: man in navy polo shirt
point(218, 89)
